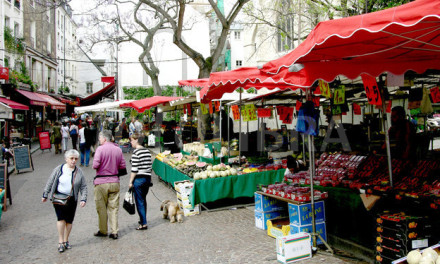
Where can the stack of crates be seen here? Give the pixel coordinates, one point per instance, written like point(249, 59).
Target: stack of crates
point(267, 208)
point(398, 234)
point(183, 191)
point(300, 216)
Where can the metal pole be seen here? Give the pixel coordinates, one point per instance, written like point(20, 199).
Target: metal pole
point(387, 136)
point(229, 140)
point(312, 175)
point(239, 135)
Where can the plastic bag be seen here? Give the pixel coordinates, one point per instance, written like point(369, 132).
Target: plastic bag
point(128, 204)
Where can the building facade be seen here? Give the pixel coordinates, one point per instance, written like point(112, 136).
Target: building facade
point(11, 33)
point(39, 36)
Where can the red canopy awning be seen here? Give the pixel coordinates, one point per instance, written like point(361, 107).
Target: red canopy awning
point(245, 77)
point(94, 98)
point(147, 103)
point(34, 98)
point(393, 40)
point(13, 104)
point(195, 82)
point(54, 103)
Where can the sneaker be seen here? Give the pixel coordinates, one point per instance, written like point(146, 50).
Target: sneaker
point(61, 247)
point(67, 245)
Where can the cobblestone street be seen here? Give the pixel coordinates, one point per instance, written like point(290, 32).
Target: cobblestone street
point(28, 229)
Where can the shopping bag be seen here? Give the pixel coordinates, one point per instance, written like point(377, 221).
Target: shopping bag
point(128, 204)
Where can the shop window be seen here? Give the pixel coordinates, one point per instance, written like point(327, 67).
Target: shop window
point(238, 63)
point(237, 35)
point(286, 29)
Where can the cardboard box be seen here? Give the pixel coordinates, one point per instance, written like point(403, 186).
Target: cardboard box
point(191, 212)
point(320, 229)
point(293, 248)
point(278, 227)
point(262, 217)
point(266, 204)
point(183, 188)
point(301, 215)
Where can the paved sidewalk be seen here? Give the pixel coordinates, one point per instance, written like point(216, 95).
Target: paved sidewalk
point(28, 229)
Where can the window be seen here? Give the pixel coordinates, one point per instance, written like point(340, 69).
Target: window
point(89, 87)
point(6, 61)
point(49, 43)
point(238, 63)
point(237, 35)
point(16, 30)
point(48, 6)
point(7, 21)
point(286, 31)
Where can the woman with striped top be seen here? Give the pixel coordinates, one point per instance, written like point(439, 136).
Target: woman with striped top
point(140, 178)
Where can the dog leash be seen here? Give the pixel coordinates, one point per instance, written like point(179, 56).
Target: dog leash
point(151, 190)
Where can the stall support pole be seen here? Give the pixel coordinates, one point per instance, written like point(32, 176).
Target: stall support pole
point(229, 139)
point(387, 136)
point(239, 135)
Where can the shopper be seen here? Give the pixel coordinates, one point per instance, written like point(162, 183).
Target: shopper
point(140, 178)
point(56, 130)
point(65, 136)
point(66, 179)
point(74, 134)
point(84, 144)
point(132, 127)
point(402, 135)
point(124, 129)
point(294, 165)
point(170, 139)
point(107, 162)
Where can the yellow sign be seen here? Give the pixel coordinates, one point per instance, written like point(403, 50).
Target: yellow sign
point(325, 89)
point(339, 96)
point(204, 109)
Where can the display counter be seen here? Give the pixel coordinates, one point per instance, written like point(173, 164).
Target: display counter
point(210, 190)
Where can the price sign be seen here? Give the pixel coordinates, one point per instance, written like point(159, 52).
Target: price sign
point(264, 112)
point(4, 73)
point(336, 110)
point(188, 108)
point(372, 90)
point(204, 109)
point(389, 104)
point(356, 109)
point(325, 89)
point(339, 96)
point(316, 101)
point(244, 113)
point(252, 112)
point(298, 105)
point(235, 112)
point(435, 94)
point(288, 115)
point(217, 106)
point(210, 108)
point(280, 110)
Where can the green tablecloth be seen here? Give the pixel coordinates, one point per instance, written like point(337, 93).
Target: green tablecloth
point(168, 173)
point(210, 190)
point(245, 185)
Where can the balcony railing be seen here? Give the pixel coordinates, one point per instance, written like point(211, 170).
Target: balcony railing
point(17, 3)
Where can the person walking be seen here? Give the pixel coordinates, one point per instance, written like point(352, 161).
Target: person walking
point(131, 127)
point(66, 179)
point(74, 134)
point(84, 144)
point(65, 136)
point(107, 162)
point(124, 129)
point(56, 130)
point(140, 178)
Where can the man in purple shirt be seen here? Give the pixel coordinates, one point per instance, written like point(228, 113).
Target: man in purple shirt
point(107, 161)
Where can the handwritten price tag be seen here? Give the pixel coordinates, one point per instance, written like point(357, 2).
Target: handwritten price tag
point(217, 106)
point(252, 112)
point(235, 112)
point(264, 112)
point(210, 108)
point(204, 109)
point(339, 96)
point(244, 113)
point(288, 115)
point(325, 89)
point(280, 110)
point(435, 94)
point(372, 90)
point(356, 109)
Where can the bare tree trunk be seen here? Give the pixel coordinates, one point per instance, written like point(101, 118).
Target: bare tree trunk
point(155, 83)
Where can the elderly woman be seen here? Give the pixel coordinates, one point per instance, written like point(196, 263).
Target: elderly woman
point(140, 178)
point(66, 180)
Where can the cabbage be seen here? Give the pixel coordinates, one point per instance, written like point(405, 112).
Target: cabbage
point(209, 168)
point(204, 175)
point(429, 252)
point(426, 260)
point(438, 260)
point(196, 176)
point(223, 174)
point(233, 171)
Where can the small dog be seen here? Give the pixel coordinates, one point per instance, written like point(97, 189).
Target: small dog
point(172, 211)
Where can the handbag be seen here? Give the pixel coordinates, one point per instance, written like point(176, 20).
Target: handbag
point(60, 198)
point(128, 204)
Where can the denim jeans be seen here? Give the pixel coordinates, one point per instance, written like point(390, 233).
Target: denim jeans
point(141, 187)
point(84, 151)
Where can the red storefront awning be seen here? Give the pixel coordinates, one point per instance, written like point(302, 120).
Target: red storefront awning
point(13, 104)
point(54, 103)
point(34, 98)
point(96, 97)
